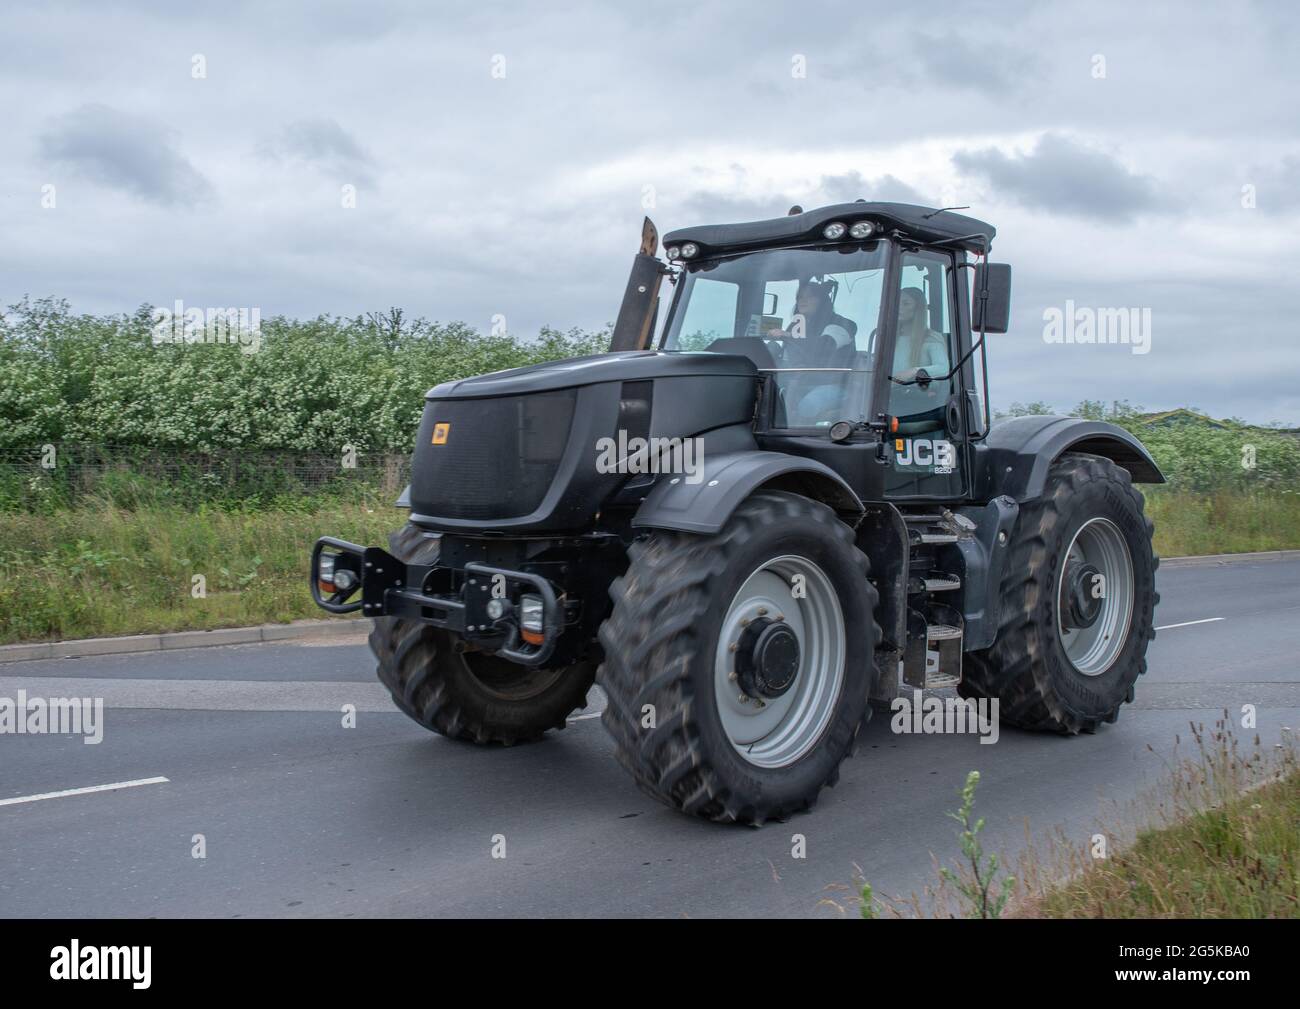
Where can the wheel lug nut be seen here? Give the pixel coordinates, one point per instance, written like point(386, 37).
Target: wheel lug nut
point(733, 646)
point(732, 676)
point(762, 611)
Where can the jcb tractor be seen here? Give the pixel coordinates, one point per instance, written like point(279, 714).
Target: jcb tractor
point(753, 523)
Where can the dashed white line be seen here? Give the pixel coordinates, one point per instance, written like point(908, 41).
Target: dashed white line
point(84, 791)
point(1190, 623)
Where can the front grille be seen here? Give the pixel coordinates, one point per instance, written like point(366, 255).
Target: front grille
point(499, 458)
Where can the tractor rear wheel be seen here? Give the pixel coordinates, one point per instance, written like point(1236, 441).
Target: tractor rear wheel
point(468, 694)
point(738, 665)
point(1078, 602)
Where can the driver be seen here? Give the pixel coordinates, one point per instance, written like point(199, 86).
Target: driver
point(815, 336)
point(815, 332)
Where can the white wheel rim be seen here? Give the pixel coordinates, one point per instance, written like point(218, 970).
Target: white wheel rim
point(1093, 649)
point(777, 731)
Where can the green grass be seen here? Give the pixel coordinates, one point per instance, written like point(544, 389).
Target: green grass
point(1219, 838)
point(105, 570)
point(125, 565)
point(1240, 860)
point(1223, 523)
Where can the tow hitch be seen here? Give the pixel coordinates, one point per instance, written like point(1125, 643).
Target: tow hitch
point(514, 613)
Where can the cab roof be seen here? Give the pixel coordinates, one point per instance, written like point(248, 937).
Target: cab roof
point(923, 224)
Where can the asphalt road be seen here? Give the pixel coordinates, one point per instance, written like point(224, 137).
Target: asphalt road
point(300, 816)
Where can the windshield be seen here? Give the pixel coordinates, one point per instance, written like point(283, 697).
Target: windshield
point(808, 317)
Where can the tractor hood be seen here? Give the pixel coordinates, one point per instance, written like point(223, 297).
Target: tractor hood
point(522, 450)
point(628, 366)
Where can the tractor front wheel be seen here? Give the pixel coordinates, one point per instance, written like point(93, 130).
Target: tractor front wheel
point(738, 665)
point(462, 693)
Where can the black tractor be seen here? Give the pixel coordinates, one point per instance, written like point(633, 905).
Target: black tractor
point(753, 524)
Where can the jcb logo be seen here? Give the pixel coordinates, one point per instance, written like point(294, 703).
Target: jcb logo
point(925, 452)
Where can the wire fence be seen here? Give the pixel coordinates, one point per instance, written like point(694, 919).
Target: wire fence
point(66, 474)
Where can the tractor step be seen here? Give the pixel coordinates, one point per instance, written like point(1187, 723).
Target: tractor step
point(932, 659)
point(936, 537)
point(943, 632)
point(942, 583)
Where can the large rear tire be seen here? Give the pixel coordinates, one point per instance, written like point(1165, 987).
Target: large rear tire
point(732, 695)
point(1078, 603)
point(464, 694)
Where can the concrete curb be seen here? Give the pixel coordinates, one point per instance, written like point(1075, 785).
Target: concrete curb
point(181, 639)
point(332, 628)
point(1207, 559)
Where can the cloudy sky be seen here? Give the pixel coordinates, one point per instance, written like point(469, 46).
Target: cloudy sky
point(1138, 156)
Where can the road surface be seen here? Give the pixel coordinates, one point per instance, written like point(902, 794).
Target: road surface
point(301, 816)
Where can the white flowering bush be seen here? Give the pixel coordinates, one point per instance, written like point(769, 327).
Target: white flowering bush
point(312, 386)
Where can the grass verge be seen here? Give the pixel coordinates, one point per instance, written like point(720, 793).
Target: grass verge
point(105, 570)
point(1190, 525)
point(127, 566)
point(1218, 836)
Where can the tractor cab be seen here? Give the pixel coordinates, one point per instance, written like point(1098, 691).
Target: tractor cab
point(858, 319)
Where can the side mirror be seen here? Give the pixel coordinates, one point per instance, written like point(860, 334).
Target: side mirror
point(993, 312)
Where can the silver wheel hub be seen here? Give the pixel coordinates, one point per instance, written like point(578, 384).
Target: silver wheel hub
point(1095, 597)
point(779, 666)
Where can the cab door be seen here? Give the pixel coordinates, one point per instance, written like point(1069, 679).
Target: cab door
point(926, 457)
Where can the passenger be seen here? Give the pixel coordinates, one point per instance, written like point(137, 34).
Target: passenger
point(918, 346)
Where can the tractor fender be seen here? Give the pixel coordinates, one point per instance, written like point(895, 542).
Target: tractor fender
point(729, 478)
point(1015, 457)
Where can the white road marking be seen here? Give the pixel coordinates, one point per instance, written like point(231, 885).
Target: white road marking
point(84, 791)
point(1190, 623)
point(579, 718)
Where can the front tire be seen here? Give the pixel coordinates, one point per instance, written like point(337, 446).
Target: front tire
point(1066, 660)
point(691, 611)
point(463, 694)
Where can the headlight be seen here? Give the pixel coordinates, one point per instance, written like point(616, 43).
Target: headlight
point(834, 230)
point(672, 252)
point(325, 573)
point(862, 229)
point(530, 613)
point(690, 250)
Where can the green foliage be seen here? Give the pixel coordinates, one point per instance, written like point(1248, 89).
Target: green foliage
point(312, 386)
point(973, 879)
point(1197, 454)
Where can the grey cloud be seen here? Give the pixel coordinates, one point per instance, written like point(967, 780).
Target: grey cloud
point(125, 152)
point(1066, 177)
point(988, 66)
point(709, 208)
point(1277, 187)
point(324, 144)
point(852, 186)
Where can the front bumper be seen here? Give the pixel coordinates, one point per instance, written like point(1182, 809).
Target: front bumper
point(389, 588)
